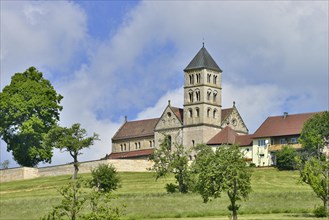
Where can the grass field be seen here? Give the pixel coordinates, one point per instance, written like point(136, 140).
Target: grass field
point(276, 195)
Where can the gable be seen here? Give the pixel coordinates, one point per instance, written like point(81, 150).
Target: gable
point(172, 117)
point(231, 117)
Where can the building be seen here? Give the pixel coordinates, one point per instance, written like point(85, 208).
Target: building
point(200, 119)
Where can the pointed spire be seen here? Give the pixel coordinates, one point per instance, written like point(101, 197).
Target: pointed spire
point(203, 60)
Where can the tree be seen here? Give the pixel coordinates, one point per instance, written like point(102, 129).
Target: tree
point(315, 134)
point(105, 178)
point(285, 158)
point(29, 108)
point(314, 172)
point(4, 164)
point(223, 171)
point(173, 161)
point(72, 140)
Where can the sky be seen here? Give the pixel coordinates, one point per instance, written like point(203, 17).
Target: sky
point(115, 58)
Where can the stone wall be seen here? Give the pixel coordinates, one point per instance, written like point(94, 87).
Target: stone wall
point(21, 173)
point(85, 167)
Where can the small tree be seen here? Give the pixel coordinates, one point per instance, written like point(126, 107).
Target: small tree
point(105, 178)
point(72, 140)
point(223, 171)
point(173, 161)
point(285, 158)
point(5, 164)
point(314, 172)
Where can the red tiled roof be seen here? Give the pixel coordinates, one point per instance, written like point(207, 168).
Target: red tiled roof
point(179, 112)
point(229, 136)
point(132, 129)
point(282, 125)
point(226, 112)
point(131, 154)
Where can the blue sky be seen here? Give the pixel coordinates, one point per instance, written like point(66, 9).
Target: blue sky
point(115, 58)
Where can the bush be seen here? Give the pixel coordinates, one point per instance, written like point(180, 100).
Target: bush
point(285, 158)
point(252, 165)
point(319, 212)
point(105, 178)
point(171, 188)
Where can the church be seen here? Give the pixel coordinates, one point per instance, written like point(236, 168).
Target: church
point(201, 120)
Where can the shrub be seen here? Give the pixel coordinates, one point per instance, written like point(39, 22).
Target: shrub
point(105, 178)
point(319, 212)
point(252, 165)
point(285, 158)
point(171, 188)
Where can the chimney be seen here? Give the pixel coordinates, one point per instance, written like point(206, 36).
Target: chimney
point(126, 118)
point(285, 114)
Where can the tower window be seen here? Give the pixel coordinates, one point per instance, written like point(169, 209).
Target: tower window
point(215, 79)
point(215, 113)
point(190, 93)
point(190, 113)
point(197, 94)
point(208, 77)
point(215, 95)
point(208, 112)
point(191, 79)
point(208, 94)
point(198, 78)
point(197, 111)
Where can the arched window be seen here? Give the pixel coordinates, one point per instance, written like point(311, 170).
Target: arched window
point(139, 145)
point(215, 95)
point(125, 147)
point(215, 79)
point(135, 145)
point(121, 147)
point(190, 113)
point(150, 144)
point(197, 94)
point(198, 78)
point(169, 142)
point(190, 76)
point(197, 112)
point(215, 113)
point(193, 143)
point(208, 77)
point(208, 94)
point(190, 93)
point(208, 112)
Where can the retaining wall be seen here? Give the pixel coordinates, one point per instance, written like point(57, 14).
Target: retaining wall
point(121, 165)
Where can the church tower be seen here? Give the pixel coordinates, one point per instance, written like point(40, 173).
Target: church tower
point(202, 99)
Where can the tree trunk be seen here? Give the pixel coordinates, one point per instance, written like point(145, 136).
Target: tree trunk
point(232, 198)
point(76, 167)
point(180, 182)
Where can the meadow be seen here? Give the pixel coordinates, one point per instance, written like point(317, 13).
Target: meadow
point(275, 195)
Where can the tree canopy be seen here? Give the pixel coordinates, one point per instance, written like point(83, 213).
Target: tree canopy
point(29, 108)
point(315, 134)
point(223, 171)
point(72, 140)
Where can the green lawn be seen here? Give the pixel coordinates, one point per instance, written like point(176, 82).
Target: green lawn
point(276, 195)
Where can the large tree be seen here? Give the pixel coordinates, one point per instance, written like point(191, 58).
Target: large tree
point(72, 140)
point(29, 108)
point(223, 171)
point(315, 134)
point(172, 160)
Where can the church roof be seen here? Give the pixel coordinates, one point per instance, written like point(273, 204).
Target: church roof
point(203, 60)
point(133, 129)
point(229, 136)
point(282, 125)
point(131, 154)
point(225, 113)
point(179, 112)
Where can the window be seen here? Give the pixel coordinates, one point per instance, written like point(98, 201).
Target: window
point(208, 112)
point(283, 141)
point(208, 77)
point(169, 114)
point(247, 149)
point(197, 94)
point(190, 113)
point(135, 145)
point(139, 145)
point(169, 142)
point(214, 113)
point(215, 79)
point(121, 147)
point(198, 78)
point(294, 140)
point(125, 147)
point(191, 79)
point(190, 93)
point(261, 155)
point(193, 143)
point(150, 144)
point(215, 95)
point(208, 94)
point(261, 142)
point(197, 112)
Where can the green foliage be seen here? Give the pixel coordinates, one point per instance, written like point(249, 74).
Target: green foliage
point(319, 212)
point(72, 140)
point(173, 161)
point(105, 178)
point(223, 171)
point(29, 108)
point(4, 164)
point(314, 172)
point(71, 204)
point(171, 188)
point(315, 133)
point(285, 158)
point(77, 203)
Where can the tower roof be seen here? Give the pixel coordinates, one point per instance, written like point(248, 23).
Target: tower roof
point(203, 60)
